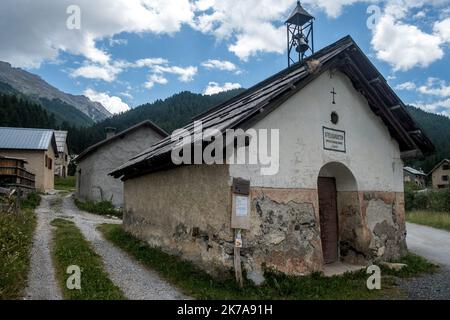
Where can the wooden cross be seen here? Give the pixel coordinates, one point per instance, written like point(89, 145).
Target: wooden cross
point(334, 94)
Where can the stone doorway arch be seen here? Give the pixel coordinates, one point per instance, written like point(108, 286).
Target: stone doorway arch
point(339, 213)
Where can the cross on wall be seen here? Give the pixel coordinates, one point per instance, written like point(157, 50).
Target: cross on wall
point(333, 92)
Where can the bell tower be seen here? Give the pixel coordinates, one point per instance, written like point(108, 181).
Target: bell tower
point(300, 35)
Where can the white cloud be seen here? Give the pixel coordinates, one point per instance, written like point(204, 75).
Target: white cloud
point(40, 31)
point(109, 71)
point(405, 46)
point(435, 87)
point(106, 72)
point(127, 95)
point(406, 86)
point(442, 28)
point(111, 103)
point(252, 26)
point(214, 87)
point(184, 74)
point(248, 27)
point(117, 42)
point(150, 62)
point(155, 78)
point(220, 65)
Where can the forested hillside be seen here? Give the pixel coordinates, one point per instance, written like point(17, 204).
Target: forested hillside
point(17, 112)
point(437, 127)
point(169, 114)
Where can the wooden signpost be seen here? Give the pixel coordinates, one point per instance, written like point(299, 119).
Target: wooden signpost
point(240, 220)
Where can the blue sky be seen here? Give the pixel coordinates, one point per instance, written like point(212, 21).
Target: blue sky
point(142, 50)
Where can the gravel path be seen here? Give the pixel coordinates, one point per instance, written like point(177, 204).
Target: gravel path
point(42, 283)
point(136, 281)
point(434, 245)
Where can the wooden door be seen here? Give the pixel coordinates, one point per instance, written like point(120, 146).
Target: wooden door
point(328, 219)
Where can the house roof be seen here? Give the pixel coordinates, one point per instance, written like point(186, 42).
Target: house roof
point(120, 135)
point(260, 100)
point(27, 139)
point(61, 137)
point(414, 171)
point(438, 165)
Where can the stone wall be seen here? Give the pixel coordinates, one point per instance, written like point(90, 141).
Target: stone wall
point(93, 181)
point(185, 212)
point(371, 226)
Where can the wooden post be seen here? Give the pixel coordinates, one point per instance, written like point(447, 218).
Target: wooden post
point(17, 200)
point(237, 260)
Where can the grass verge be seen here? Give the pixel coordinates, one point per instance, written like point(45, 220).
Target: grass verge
point(103, 208)
point(67, 183)
point(440, 220)
point(200, 285)
point(16, 239)
point(72, 249)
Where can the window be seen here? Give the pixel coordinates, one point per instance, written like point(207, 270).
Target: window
point(444, 178)
point(46, 161)
point(50, 163)
point(446, 167)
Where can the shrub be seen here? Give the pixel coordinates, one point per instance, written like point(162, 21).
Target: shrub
point(438, 200)
point(421, 201)
point(31, 201)
point(102, 208)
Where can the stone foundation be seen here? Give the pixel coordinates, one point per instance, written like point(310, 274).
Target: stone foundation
point(187, 212)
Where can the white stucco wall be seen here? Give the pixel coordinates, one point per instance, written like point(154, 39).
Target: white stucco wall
point(372, 155)
point(93, 182)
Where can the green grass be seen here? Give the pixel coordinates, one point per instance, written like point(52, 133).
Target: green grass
point(440, 220)
point(66, 184)
point(198, 284)
point(101, 208)
point(72, 249)
point(16, 237)
point(416, 266)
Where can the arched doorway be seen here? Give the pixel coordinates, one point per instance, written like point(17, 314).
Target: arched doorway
point(337, 188)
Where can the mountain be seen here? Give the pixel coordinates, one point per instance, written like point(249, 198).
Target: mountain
point(15, 80)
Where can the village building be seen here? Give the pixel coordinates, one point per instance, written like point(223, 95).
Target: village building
point(338, 194)
point(62, 162)
point(418, 177)
point(37, 147)
point(440, 175)
point(94, 164)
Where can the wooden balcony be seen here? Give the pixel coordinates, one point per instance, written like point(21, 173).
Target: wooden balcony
point(14, 174)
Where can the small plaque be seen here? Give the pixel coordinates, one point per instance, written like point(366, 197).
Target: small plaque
point(334, 140)
point(241, 206)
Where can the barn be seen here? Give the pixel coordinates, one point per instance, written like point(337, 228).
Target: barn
point(94, 163)
point(337, 194)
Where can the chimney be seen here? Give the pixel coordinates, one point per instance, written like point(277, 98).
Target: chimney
point(110, 132)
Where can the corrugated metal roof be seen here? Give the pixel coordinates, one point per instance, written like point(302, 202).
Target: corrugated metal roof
point(61, 137)
point(414, 171)
point(25, 139)
point(260, 100)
